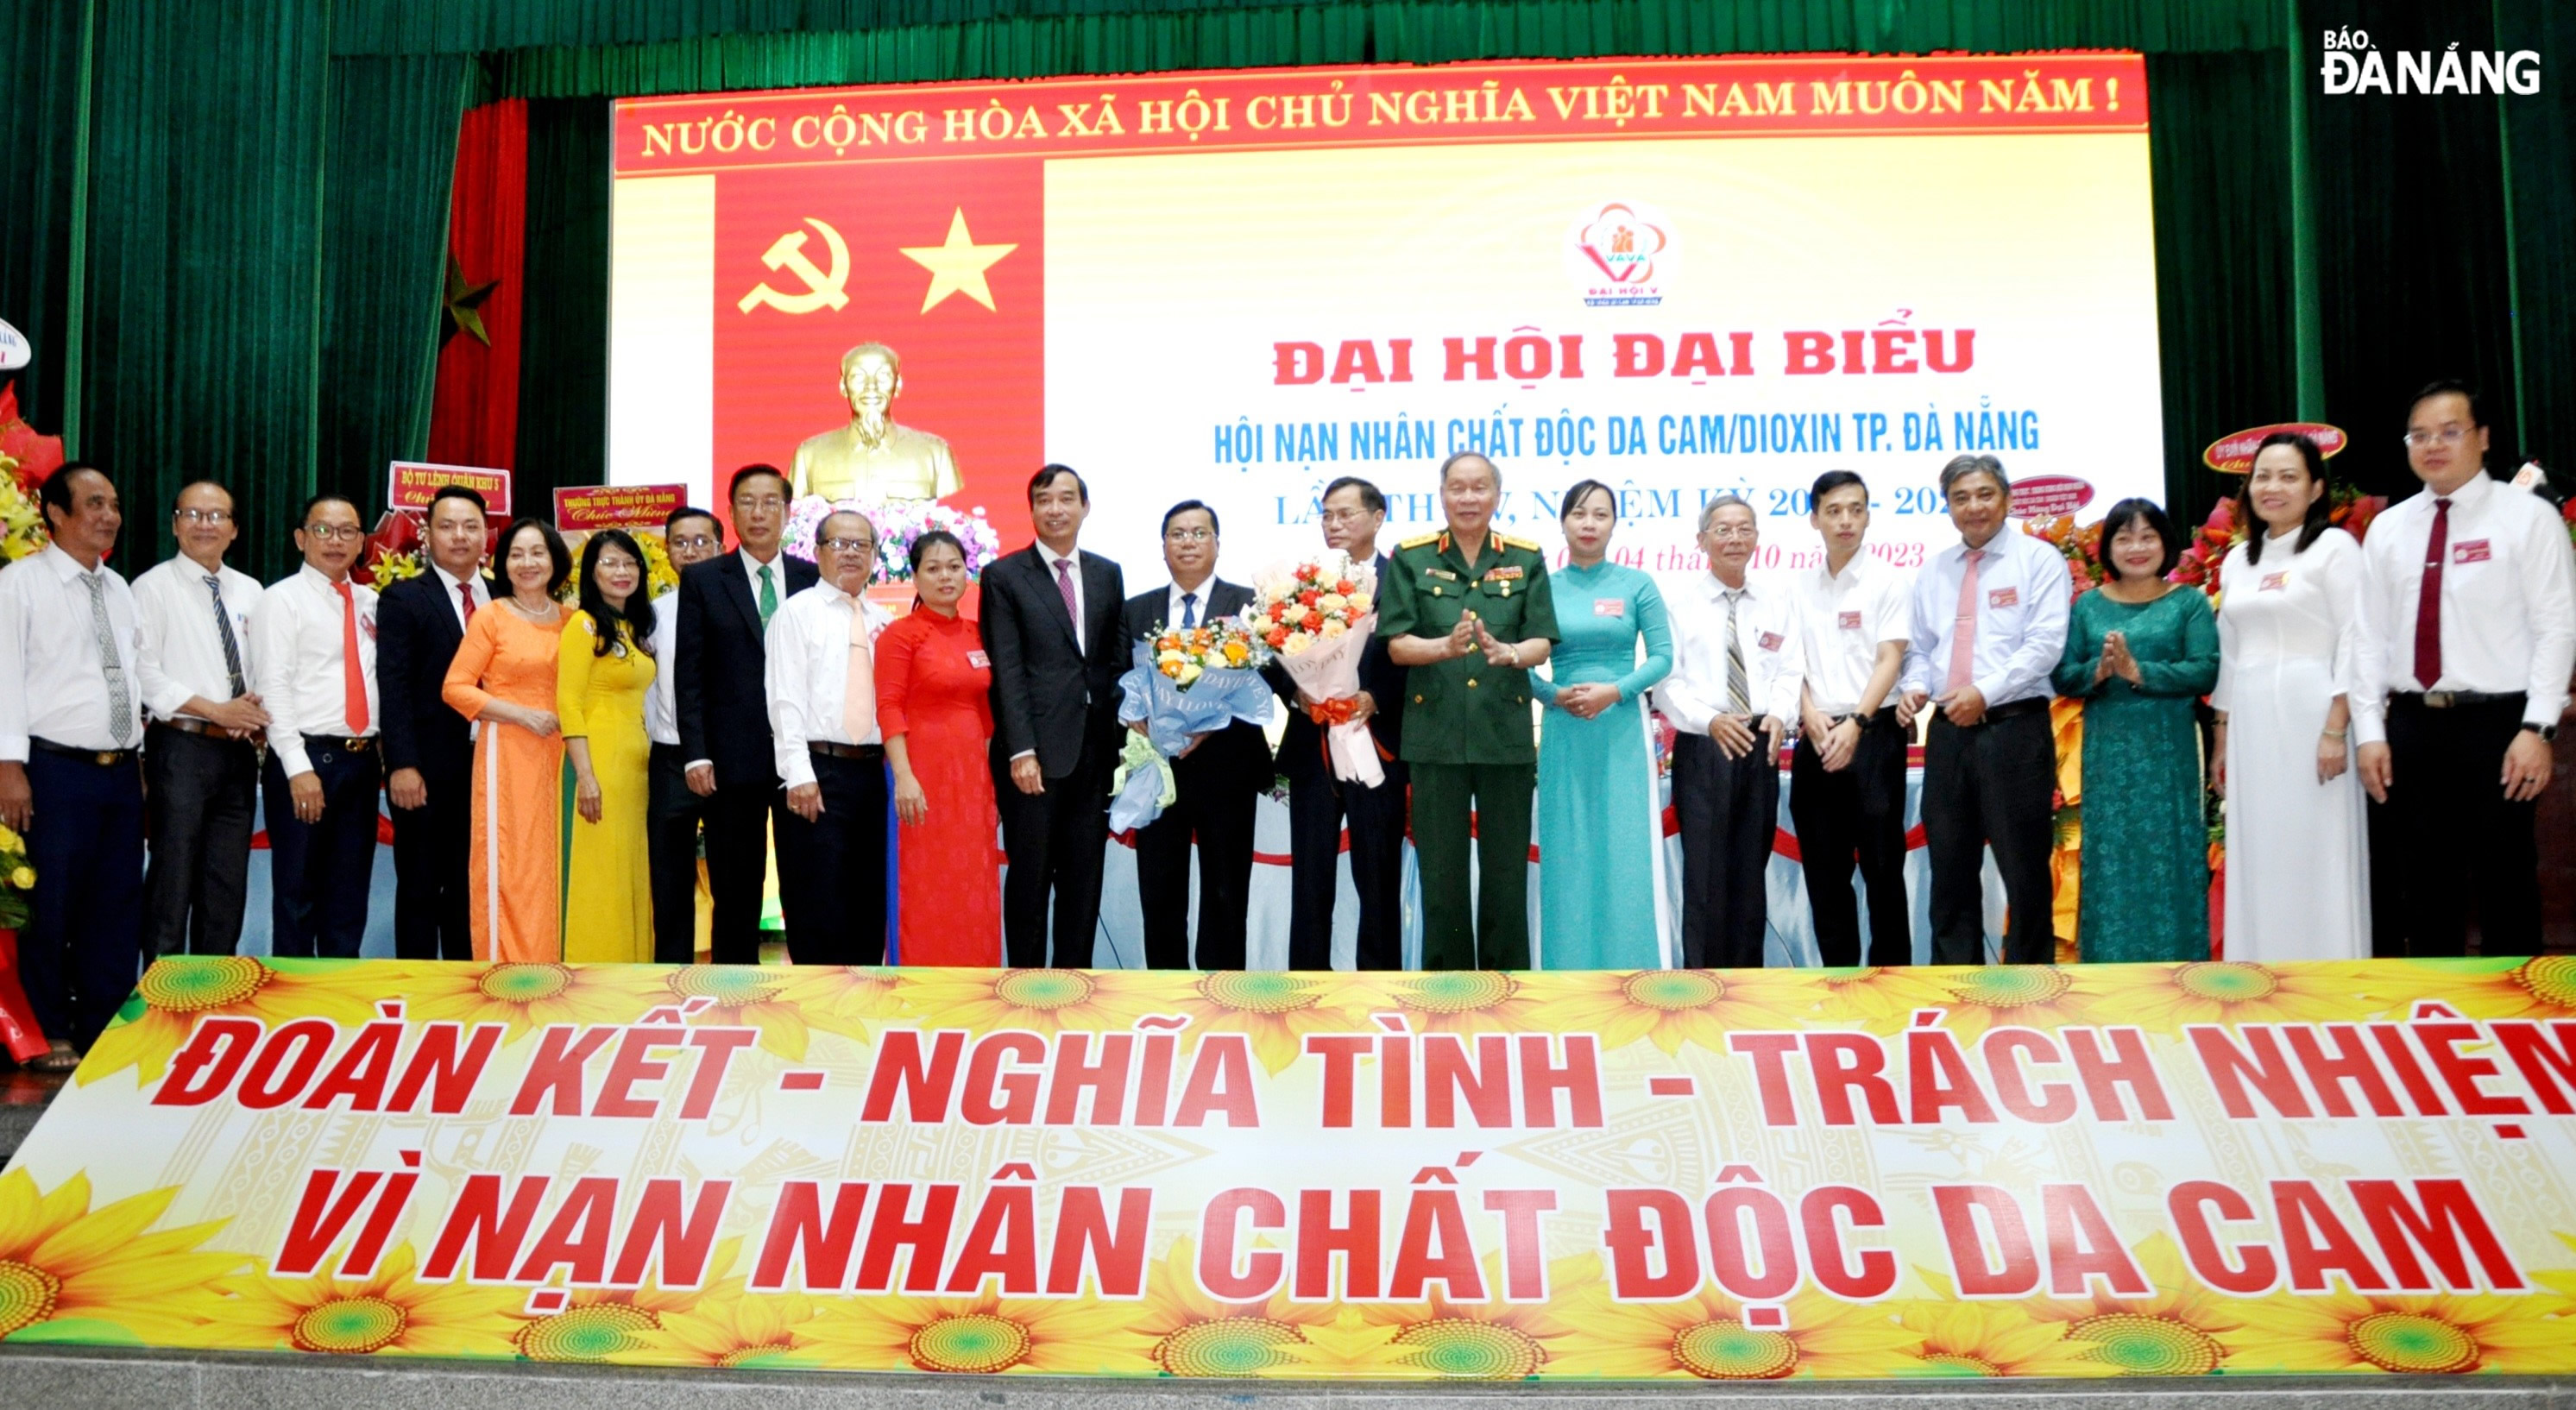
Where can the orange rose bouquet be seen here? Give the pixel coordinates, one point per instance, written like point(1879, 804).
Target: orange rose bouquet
point(1316, 616)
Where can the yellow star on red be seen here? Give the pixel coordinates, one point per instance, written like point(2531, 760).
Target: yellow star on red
point(957, 266)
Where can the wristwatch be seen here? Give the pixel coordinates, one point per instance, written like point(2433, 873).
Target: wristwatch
point(2548, 733)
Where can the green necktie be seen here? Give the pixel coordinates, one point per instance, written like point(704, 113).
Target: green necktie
point(768, 594)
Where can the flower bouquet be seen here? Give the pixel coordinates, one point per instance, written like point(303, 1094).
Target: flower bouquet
point(1316, 617)
point(1185, 682)
point(897, 525)
point(26, 461)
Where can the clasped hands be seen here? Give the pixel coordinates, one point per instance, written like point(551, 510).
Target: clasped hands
point(2117, 661)
point(1469, 635)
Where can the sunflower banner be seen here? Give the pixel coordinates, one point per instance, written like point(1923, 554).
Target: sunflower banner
point(1733, 1175)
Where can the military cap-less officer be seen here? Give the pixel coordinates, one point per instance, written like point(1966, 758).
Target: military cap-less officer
point(1469, 611)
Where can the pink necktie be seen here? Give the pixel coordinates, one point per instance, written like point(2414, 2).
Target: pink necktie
point(1963, 637)
point(1064, 581)
point(859, 687)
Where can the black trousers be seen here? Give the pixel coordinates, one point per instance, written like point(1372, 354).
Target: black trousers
point(740, 822)
point(199, 792)
point(1317, 805)
point(318, 872)
point(1728, 810)
point(836, 911)
point(1216, 811)
point(433, 849)
point(1054, 841)
point(83, 942)
point(1857, 810)
point(671, 839)
point(2460, 847)
point(1990, 785)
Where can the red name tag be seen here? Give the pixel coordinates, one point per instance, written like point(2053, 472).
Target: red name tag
point(1609, 607)
point(979, 660)
point(1849, 621)
point(2004, 597)
point(2471, 551)
point(1770, 641)
point(2274, 582)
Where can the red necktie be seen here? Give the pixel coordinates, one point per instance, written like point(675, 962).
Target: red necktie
point(353, 675)
point(465, 595)
point(2428, 602)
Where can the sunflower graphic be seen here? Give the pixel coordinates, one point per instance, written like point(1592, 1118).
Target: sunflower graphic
point(2042, 996)
point(2543, 987)
point(981, 1335)
point(1472, 1001)
point(743, 996)
point(527, 997)
point(176, 991)
point(1275, 1009)
point(1962, 1338)
point(2175, 1330)
point(2163, 998)
point(602, 1324)
point(1706, 1335)
point(2438, 1335)
point(385, 1313)
point(726, 1326)
point(1479, 1341)
point(1044, 1000)
point(1189, 1333)
point(1672, 1007)
point(1880, 998)
point(842, 998)
point(63, 1263)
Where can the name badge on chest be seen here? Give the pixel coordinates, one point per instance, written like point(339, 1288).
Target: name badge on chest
point(979, 660)
point(1770, 641)
point(2004, 597)
point(1609, 607)
point(2274, 582)
point(1848, 621)
point(2471, 551)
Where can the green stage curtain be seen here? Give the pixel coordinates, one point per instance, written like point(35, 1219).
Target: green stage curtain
point(203, 289)
point(563, 371)
point(392, 146)
point(40, 55)
point(2221, 155)
point(2540, 143)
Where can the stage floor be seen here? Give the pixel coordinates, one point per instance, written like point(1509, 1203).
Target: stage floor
point(72, 1378)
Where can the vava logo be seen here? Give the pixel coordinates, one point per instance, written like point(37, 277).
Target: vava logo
point(1621, 254)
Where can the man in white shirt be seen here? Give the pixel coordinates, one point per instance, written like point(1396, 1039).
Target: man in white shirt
point(202, 770)
point(2468, 632)
point(691, 536)
point(429, 747)
point(1847, 777)
point(70, 718)
point(313, 640)
point(1731, 697)
point(1989, 622)
point(823, 723)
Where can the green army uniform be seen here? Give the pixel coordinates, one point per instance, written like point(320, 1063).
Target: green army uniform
point(1469, 743)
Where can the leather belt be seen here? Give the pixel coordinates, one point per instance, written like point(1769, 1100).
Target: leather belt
point(103, 758)
point(830, 750)
point(2033, 705)
point(2448, 699)
point(345, 743)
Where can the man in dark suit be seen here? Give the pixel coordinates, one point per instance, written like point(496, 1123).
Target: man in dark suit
point(1218, 776)
point(1353, 513)
point(725, 607)
point(1051, 631)
point(428, 747)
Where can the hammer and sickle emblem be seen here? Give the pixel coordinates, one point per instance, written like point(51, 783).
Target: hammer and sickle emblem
point(822, 288)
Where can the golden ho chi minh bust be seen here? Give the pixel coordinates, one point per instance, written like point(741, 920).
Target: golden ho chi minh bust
point(872, 458)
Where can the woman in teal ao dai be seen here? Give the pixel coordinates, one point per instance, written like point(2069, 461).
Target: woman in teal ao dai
point(1601, 884)
point(2140, 652)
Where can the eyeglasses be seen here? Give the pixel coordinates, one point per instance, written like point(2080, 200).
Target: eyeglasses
point(1345, 516)
point(2448, 435)
point(694, 541)
point(848, 545)
point(1188, 535)
point(335, 533)
point(214, 517)
point(1747, 533)
point(767, 501)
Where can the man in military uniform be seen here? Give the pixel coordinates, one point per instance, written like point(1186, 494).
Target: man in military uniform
point(1469, 611)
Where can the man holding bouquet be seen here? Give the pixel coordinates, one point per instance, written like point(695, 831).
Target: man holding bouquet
point(1469, 611)
point(1319, 799)
point(1218, 776)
